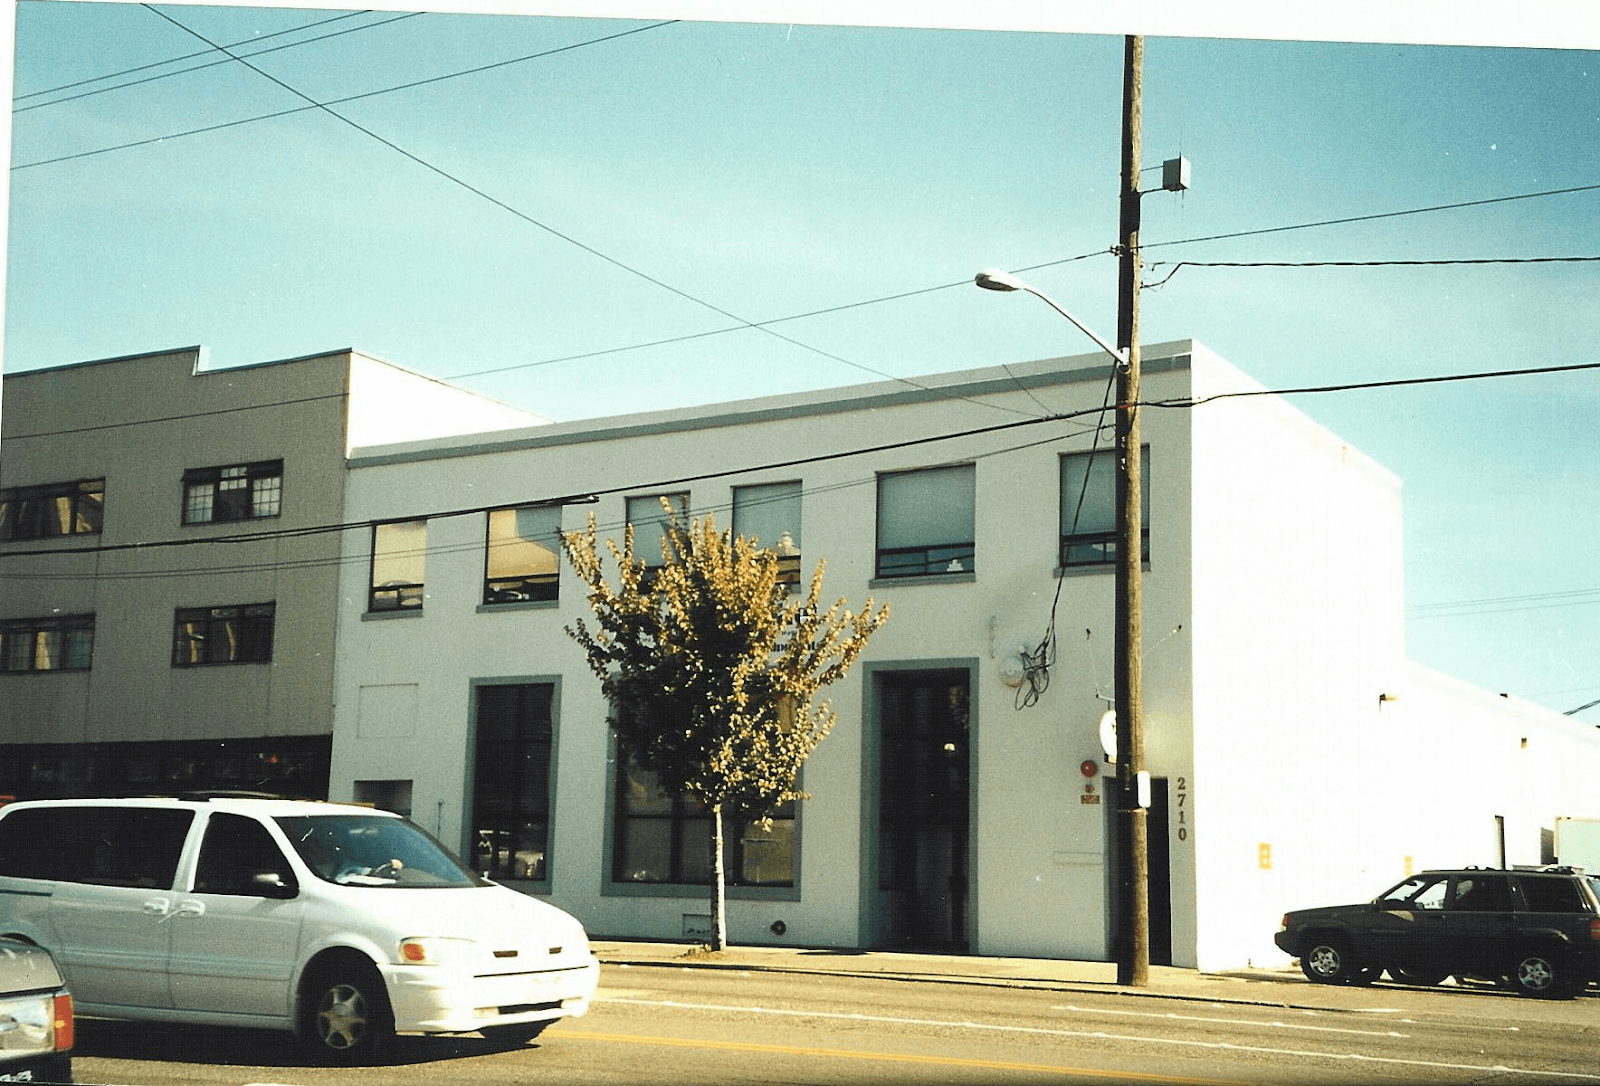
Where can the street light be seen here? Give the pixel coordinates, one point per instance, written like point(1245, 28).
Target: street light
point(995, 279)
point(1132, 943)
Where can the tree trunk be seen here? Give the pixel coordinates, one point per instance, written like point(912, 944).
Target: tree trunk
point(719, 891)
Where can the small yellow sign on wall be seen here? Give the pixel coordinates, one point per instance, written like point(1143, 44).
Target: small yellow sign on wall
point(1264, 856)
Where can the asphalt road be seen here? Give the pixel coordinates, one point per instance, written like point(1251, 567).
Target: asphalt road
point(671, 1024)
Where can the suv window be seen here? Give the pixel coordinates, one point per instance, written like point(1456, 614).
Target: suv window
point(1482, 894)
point(1417, 892)
point(1554, 895)
point(103, 846)
point(237, 850)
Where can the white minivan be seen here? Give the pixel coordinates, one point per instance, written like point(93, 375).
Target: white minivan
point(342, 923)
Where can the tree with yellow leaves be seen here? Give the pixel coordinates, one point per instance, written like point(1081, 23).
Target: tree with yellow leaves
point(712, 665)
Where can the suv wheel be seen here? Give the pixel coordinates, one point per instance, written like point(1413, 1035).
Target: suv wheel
point(1545, 975)
point(1327, 961)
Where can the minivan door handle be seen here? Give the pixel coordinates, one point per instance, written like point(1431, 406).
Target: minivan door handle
point(189, 908)
point(157, 906)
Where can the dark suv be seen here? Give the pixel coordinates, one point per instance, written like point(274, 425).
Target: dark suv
point(1535, 931)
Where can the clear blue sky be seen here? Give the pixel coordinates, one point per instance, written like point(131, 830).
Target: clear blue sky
point(520, 227)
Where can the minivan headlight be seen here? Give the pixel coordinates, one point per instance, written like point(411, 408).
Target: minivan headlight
point(434, 950)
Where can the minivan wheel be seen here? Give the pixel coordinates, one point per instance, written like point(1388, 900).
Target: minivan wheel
point(345, 1016)
point(1543, 975)
point(1327, 961)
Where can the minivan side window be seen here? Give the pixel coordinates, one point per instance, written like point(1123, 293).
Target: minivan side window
point(102, 846)
point(236, 851)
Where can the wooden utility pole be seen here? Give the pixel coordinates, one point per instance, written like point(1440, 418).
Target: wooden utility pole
point(1133, 922)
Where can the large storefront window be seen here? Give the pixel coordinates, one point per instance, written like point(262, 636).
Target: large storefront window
point(511, 781)
point(667, 839)
point(295, 767)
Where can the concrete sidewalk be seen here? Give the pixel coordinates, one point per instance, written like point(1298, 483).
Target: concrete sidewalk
point(1275, 987)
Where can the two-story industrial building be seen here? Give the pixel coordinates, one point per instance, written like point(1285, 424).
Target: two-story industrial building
point(961, 800)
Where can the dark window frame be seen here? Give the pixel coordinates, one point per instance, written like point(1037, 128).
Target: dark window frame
point(1081, 547)
point(25, 511)
point(688, 826)
point(509, 838)
point(530, 587)
point(956, 558)
point(755, 495)
point(258, 486)
point(395, 595)
point(255, 624)
point(75, 647)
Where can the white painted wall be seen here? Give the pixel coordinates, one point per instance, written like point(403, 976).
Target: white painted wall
point(1272, 619)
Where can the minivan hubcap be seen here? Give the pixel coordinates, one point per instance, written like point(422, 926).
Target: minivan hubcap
point(342, 1016)
point(1325, 960)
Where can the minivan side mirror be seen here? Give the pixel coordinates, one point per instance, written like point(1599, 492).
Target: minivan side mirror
point(270, 884)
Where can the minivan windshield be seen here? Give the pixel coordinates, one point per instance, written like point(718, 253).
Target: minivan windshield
point(372, 850)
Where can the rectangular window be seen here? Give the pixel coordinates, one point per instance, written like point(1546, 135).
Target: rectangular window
point(47, 644)
point(523, 556)
point(651, 523)
point(398, 550)
point(52, 511)
point(770, 514)
point(223, 635)
point(667, 839)
point(514, 749)
point(1089, 507)
point(234, 492)
point(926, 521)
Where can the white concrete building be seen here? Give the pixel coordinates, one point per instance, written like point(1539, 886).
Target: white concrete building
point(1299, 757)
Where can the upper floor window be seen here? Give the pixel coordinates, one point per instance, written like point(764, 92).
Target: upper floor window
point(52, 510)
point(652, 523)
point(234, 492)
point(1089, 507)
point(523, 556)
point(926, 521)
point(398, 550)
point(223, 635)
point(770, 514)
point(47, 644)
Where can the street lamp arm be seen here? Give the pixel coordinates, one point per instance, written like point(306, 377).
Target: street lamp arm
point(1005, 281)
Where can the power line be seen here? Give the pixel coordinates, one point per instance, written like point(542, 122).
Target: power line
point(169, 137)
point(202, 67)
point(1373, 217)
point(662, 484)
point(1180, 265)
point(1500, 604)
point(585, 497)
point(546, 227)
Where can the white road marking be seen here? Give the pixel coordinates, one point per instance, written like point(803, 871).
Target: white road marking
point(1173, 1042)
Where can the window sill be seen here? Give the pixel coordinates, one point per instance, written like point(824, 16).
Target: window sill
point(697, 892)
point(518, 605)
point(966, 577)
point(1098, 567)
point(384, 616)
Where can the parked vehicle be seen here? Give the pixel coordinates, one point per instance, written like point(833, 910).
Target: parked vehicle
point(342, 923)
point(1577, 843)
point(36, 1024)
point(1536, 931)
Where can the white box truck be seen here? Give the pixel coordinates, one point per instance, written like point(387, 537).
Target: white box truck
point(1577, 843)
